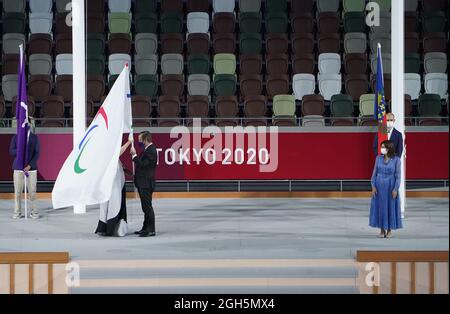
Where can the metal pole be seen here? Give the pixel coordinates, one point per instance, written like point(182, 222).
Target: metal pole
point(79, 78)
point(398, 87)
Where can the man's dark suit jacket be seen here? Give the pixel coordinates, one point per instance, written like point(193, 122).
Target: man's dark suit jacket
point(32, 153)
point(396, 137)
point(144, 176)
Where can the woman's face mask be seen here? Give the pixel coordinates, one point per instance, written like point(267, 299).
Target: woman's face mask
point(383, 151)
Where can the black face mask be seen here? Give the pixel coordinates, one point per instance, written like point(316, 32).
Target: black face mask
point(141, 145)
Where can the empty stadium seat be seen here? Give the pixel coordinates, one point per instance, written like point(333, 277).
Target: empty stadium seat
point(11, 43)
point(411, 21)
point(284, 110)
point(119, 5)
point(355, 42)
point(97, 6)
point(313, 121)
point(355, 63)
point(141, 109)
point(250, 43)
point(329, 43)
point(95, 64)
point(385, 23)
point(117, 61)
point(277, 84)
point(172, 6)
point(250, 64)
point(366, 105)
point(172, 85)
point(303, 84)
point(63, 64)
point(61, 25)
point(329, 63)
point(411, 42)
point(434, 42)
point(341, 108)
point(302, 22)
point(40, 23)
point(9, 86)
point(436, 83)
point(277, 43)
point(303, 63)
point(52, 112)
point(433, 21)
point(63, 44)
point(198, 64)
point(356, 85)
point(119, 43)
point(198, 107)
point(226, 111)
point(355, 22)
point(223, 5)
point(435, 62)
point(224, 22)
point(171, 23)
point(95, 87)
point(429, 108)
point(40, 64)
point(40, 43)
point(95, 22)
point(13, 22)
point(354, 5)
point(146, 85)
point(384, 39)
point(413, 85)
point(328, 22)
point(10, 64)
point(225, 84)
point(95, 43)
point(435, 5)
point(146, 64)
point(302, 5)
point(277, 64)
point(197, 22)
point(302, 43)
point(172, 43)
point(146, 43)
point(197, 5)
point(251, 85)
point(168, 111)
point(14, 6)
point(386, 58)
point(250, 22)
point(249, 5)
point(255, 108)
point(224, 63)
point(64, 87)
point(329, 85)
point(327, 5)
point(172, 63)
point(146, 22)
point(412, 63)
point(198, 84)
point(40, 86)
point(198, 43)
point(276, 5)
point(276, 22)
point(118, 23)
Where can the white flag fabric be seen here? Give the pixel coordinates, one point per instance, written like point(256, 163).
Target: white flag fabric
point(87, 175)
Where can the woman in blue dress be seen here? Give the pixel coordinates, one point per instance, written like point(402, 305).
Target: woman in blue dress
point(385, 205)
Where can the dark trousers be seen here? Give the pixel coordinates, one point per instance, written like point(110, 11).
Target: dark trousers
point(146, 202)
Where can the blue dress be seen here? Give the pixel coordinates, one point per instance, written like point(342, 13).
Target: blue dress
point(385, 211)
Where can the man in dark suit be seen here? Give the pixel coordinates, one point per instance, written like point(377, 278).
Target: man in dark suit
point(144, 180)
point(393, 135)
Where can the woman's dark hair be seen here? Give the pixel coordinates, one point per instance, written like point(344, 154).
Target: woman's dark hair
point(390, 148)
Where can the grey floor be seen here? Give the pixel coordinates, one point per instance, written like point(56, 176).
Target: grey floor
point(229, 229)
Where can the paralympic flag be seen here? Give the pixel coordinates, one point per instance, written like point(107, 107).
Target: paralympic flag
point(380, 102)
point(87, 175)
point(22, 115)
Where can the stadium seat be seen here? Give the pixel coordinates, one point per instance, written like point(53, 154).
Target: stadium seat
point(95, 43)
point(224, 63)
point(429, 105)
point(277, 84)
point(119, 43)
point(329, 85)
point(171, 23)
point(329, 63)
point(226, 111)
point(119, 6)
point(40, 86)
point(2, 112)
point(385, 23)
point(411, 21)
point(435, 62)
point(356, 85)
point(172, 63)
point(327, 5)
point(172, 6)
point(9, 86)
point(198, 22)
point(146, 64)
point(95, 64)
point(250, 43)
point(303, 63)
point(198, 43)
point(52, 112)
point(412, 63)
point(16, 6)
point(250, 22)
point(411, 42)
point(168, 111)
point(276, 6)
point(434, 42)
point(250, 5)
point(435, 5)
point(62, 5)
point(13, 22)
point(302, 43)
point(341, 108)
point(40, 43)
point(302, 5)
point(383, 39)
point(328, 22)
point(30, 103)
point(63, 44)
point(95, 23)
point(355, 22)
point(303, 84)
point(61, 26)
point(145, 22)
point(197, 5)
point(366, 105)
point(63, 64)
point(224, 22)
point(118, 23)
point(225, 84)
point(436, 83)
point(355, 63)
point(355, 42)
point(97, 6)
point(329, 43)
point(141, 108)
point(284, 110)
point(64, 87)
point(302, 22)
point(433, 21)
point(11, 43)
point(40, 64)
point(95, 87)
point(198, 64)
point(276, 22)
point(41, 23)
point(255, 108)
point(172, 85)
point(172, 43)
point(277, 64)
point(251, 85)
point(117, 61)
point(146, 43)
point(354, 5)
point(413, 85)
point(198, 107)
point(198, 84)
point(386, 57)
point(146, 85)
point(10, 64)
point(250, 64)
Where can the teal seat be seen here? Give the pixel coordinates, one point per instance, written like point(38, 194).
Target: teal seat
point(225, 84)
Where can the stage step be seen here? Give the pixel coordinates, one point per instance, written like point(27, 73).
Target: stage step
point(217, 276)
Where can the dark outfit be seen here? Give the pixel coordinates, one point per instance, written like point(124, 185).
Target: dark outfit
point(144, 180)
point(396, 138)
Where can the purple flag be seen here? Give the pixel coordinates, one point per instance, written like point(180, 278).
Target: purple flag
point(22, 116)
